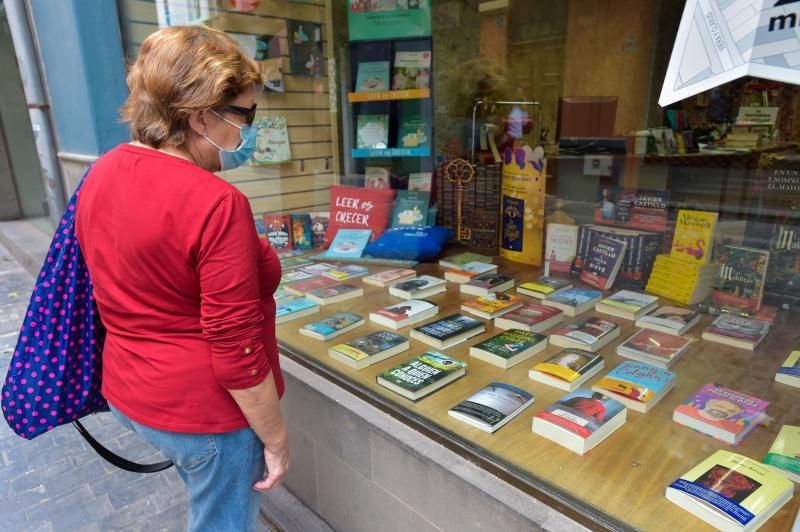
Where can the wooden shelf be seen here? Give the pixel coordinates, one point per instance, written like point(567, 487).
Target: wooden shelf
point(386, 96)
point(369, 153)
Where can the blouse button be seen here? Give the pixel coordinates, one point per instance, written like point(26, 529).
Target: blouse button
point(254, 372)
point(247, 351)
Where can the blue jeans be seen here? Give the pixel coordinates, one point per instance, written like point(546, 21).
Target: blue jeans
point(219, 470)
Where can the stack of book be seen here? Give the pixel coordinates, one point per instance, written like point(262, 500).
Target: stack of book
point(479, 205)
point(680, 280)
point(641, 249)
point(736, 331)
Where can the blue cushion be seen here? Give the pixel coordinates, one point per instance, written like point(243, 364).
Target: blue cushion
point(410, 243)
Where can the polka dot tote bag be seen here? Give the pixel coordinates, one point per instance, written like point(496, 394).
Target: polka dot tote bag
point(54, 376)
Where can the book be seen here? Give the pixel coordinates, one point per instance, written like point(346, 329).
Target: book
point(317, 268)
point(319, 227)
point(574, 301)
point(670, 320)
point(404, 314)
point(301, 288)
point(272, 141)
point(580, 420)
point(412, 70)
point(369, 349)
point(627, 304)
point(568, 369)
point(278, 232)
point(722, 413)
point(469, 271)
point(532, 317)
point(654, 347)
point(413, 130)
point(291, 263)
point(377, 177)
point(509, 348)
point(782, 284)
point(632, 208)
point(385, 278)
point(282, 295)
point(492, 406)
point(641, 250)
point(637, 385)
point(335, 293)
point(372, 131)
point(694, 236)
point(455, 262)
point(420, 181)
point(544, 287)
point(261, 229)
point(789, 372)
point(302, 238)
point(736, 331)
point(348, 244)
point(680, 280)
point(603, 262)
point(483, 285)
point(410, 208)
point(448, 331)
point(492, 306)
point(290, 253)
point(294, 309)
point(731, 492)
point(785, 452)
point(373, 76)
point(591, 334)
point(423, 375)
point(332, 326)
point(348, 271)
point(295, 276)
point(418, 288)
point(561, 244)
point(742, 273)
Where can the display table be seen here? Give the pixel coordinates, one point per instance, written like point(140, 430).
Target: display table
point(622, 481)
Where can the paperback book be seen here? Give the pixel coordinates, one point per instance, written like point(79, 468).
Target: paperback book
point(295, 276)
point(373, 76)
point(485, 284)
point(544, 287)
point(492, 306)
point(694, 236)
point(586, 333)
point(291, 263)
point(448, 331)
point(423, 375)
point(627, 304)
point(302, 237)
point(561, 246)
point(369, 349)
point(372, 132)
point(736, 331)
point(319, 227)
point(455, 262)
point(278, 234)
point(568, 369)
point(411, 208)
point(317, 268)
point(742, 273)
point(332, 326)
point(281, 295)
point(654, 347)
point(418, 288)
point(335, 293)
point(413, 130)
point(272, 141)
point(785, 452)
point(348, 244)
point(294, 309)
point(412, 70)
point(469, 271)
point(533, 318)
point(574, 301)
point(492, 406)
point(404, 314)
point(509, 348)
point(385, 278)
point(377, 177)
point(301, 288)
point(789, 372)
point(637, 385)
point(420, 181)
point(670, 320)
point(603, 262)
point(348, 271)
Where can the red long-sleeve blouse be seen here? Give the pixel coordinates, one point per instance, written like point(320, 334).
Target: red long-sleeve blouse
point(183, 285)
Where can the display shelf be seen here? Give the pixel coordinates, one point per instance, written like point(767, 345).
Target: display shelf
point(625, 476)
point(362, 153)
point(387, 96)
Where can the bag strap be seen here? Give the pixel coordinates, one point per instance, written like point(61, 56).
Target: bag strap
point(115, 459)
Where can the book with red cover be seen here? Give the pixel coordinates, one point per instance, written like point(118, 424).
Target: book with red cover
point(532, 314)
point(301, 288)
point(279, 233)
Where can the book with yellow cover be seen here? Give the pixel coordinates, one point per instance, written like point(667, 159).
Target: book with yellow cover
point(568, 369)
point(789, 372)
point(785, 452)
point(731, 492)
point(694, 236)
point(492, 305)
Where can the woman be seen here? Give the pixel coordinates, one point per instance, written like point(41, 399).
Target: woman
point(183, 283)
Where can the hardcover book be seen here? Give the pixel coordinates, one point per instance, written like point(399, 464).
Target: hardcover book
point(574, 301)
point(373, 76)
point(387, 277)
point(348, 244)
point(694, 236)
point(637, 385)
point(492, 406)
point(422, 375)
point(654, 347)
point(509, 347)
point(561, 246)
point(455, 262)
point(278, 232)
point(332, 326)
point(411, 208)
point(603, 262)
point(731, 492)
point(789, 372)
point(412, 70)
point(319, 227)
point(544, 287)
point(586, 333)
point(742, 273)
point(568, 369)
point(448, 331)
point(785, 452)
point(348, 271)
point(302, 236)
point(722, 413)
point(296, 308)
point(369, 349)
point(404, 314)
point(736, 331)
point(335, 293)
point(671, 320)
point(372, 131)
point(532, 317)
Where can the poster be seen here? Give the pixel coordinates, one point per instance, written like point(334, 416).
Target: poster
point(305, 48)
point(389, 19)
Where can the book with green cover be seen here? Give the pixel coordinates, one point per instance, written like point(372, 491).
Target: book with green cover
point(456, 261)
point(372, 131)
point(509, 348)
point(785, 452)
point(373, 76)
point(742, 273)
point(411, 208)
point(422, 375)
point(413, 131)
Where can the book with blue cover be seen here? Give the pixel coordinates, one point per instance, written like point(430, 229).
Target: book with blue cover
point(296, 308)
point(574, 301)
point(637, 385)
point(348, 244)
point(373, 76)
point(332, 326)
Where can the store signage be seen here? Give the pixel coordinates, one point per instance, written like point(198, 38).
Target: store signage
point(719, 41)
point(393, 19)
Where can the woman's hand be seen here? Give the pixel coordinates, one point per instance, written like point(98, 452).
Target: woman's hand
point(277, 462)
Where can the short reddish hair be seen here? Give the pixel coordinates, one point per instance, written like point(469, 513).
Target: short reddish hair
point(180, 70)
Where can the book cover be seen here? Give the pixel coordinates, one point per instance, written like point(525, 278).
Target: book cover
point(373, 76)
point(293, 277)
point(423, 282)
point(261, 229)
point(413, 130)
point(348, 243)
point(420, 181)
point(456, 261)
point(656, 344)
point(422, 371)
point(545, 285)
point(493, 303)
point(782, 284)
point(448, 327)
point(295, 262)
point(307, 285)
point(636, 380)
point(348, 271)
point(411, 208)
point(319, 227)
point(532, 314)
point(369, 345)
point(510, 343)
point(293, 306)
point(561, 246)
point(738, 327)
point(372, 131)
point(272, 141)
point(629, 300)
point(602, 262)
point(406, 309)
point(587, 330)
point(582, 412)
point(389, 276)
point(334, 291)
point(493, 403)
point(575, 297)
point(278, 232)
point(412, 70)
point(290, 253)
point(569, 364)
point(740, 282)
point(281, 295)
point(318, 268)
point(377, 177)
point(724, 408)
point(474, 269)
point(694, 236)
point(301, 231)
point(489, 280)
point(670, 317)
point(333, 324)
point(785, 451)
point(632, 208)
point(731, 485)
point(791, 366)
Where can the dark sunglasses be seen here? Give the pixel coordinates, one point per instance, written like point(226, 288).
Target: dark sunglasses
point(249, 113)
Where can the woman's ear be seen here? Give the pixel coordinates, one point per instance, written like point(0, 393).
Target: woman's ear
point(198, 122)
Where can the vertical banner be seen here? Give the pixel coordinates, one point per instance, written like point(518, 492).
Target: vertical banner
point(389, 19)
point(523, 205)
